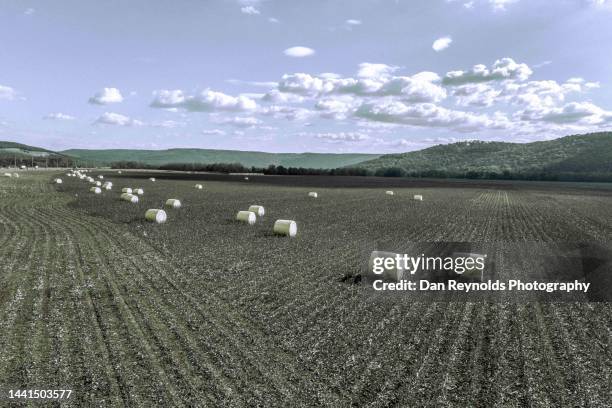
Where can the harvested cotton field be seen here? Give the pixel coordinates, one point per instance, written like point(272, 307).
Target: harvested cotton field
point(202, 310)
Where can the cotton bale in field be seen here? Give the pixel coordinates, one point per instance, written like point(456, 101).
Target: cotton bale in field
point(389, 192)
point(395, 273)
point(152, 178)
point(285, 227)
point(418, 197)
point(100, 176)
point(98, 183)
point(22, 167)
point(313, 194)
point(8, 175)
point(198, 186)
point(173, 203)
point(138, 191)
point(58, 181)
point(156, 215)
point(258, 210)
point(126, 190)
point(129, 197)
point(95, 190)
point(246, 216)
point(107, 186)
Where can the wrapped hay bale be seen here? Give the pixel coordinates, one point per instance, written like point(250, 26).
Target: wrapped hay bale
point(8, 174)
point(246, 178)
point(152, 178)
point(119, 172)
point(313, 194)
point(246, 216)
point(95, 190)
point(138, 191)
point(58, 181)
point(258, 210)
point(107, 186)
point(389, 192)
point(16, 175)
point(98, 183)
point(198, 186)
point(173, 203)
point(22, 167)
point(126, 190)
point(129, 197)
point(394, 274)
point(285, 227)
point(155, 215)
point(100, 176)
point(418, 197)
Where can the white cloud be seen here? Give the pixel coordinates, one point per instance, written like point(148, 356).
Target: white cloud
point(286, 112)
point(476, 95)
point(353, 22)
point(205, 101)
point(213, 132)
point(581, 113)
point(282, 97)
point(375, 71)
point(500, 5)
point(430, 115)
point(106, 96)
point(441, 43)
point(273, 20)
point(249, 10)
point(469, 5)
point(243, 121)
point(502, 69)
point(299, 52)
point(169, 124)
point(7, 93)
point(58, 116)
point(117, 119)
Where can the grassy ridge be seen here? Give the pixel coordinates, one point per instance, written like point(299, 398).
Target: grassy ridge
point(581, 154)
point(209, 156)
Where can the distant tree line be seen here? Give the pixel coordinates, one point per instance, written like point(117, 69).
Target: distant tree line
point(10, 160)
point(381, 172)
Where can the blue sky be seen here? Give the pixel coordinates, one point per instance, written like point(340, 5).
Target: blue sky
point(294, 76)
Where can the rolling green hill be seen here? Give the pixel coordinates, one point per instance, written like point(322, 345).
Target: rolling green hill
point(23, 151)
point(209, 156)
point(589, 154)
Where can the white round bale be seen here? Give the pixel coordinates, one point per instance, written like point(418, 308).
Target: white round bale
point(138, 191)
point(126, 190)
point(285, 227)
point(98, 183)
point(313, 194)
point(8, 174)
point(173, 203)
point(418, 197)
point(152, 178)
point(389, 192)
point(155, 215)
point(129, 197)
point(198, 186)
point(16, 175)
point(246, 216)
point(58, 181)
point(258, 210)
point(95, 190)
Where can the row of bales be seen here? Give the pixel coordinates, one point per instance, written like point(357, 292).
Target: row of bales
point(158, 215)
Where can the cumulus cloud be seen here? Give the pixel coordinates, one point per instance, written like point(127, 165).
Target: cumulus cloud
point(213, 132)
point(286, 112)
point(276, 96)
point(204, 101)
point(106, 96)
point(249, 10)
point(430, 115)
point(375, 80)
point(476, 95)
point(441, 44)
point(353, 22)
point(58, 116)
point(299, 52)
point(502, 69)
point(7, 93)
point(117, 119)
point(242, 121)
point(582, 113)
